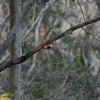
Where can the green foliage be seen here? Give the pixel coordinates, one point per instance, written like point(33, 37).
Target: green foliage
point(38, 90)
point(5, 96)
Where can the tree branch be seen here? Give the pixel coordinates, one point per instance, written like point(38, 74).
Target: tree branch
point(7, 42)
point(2, 22)
point(25, 56)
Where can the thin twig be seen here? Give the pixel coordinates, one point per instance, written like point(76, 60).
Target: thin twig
point(81, 9)
point(2, 22)
point(97, 38)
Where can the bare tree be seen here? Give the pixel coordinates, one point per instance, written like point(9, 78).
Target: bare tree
point(14, 71)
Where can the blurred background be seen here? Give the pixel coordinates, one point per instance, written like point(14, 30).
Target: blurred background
point(68, 71)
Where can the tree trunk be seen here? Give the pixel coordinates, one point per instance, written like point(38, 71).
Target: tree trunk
point(14, 72)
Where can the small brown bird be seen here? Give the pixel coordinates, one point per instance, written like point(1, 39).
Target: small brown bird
point(49, 46)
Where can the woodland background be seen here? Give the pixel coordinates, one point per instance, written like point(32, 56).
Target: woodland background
point(70, 70)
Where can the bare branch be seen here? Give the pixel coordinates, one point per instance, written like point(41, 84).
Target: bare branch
point(7, 16)
point(81, 9)
point(25, 56)
point(7, 42)
point(36, 42)
point(97, 38)
point(42, 13)
point(39, 16)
